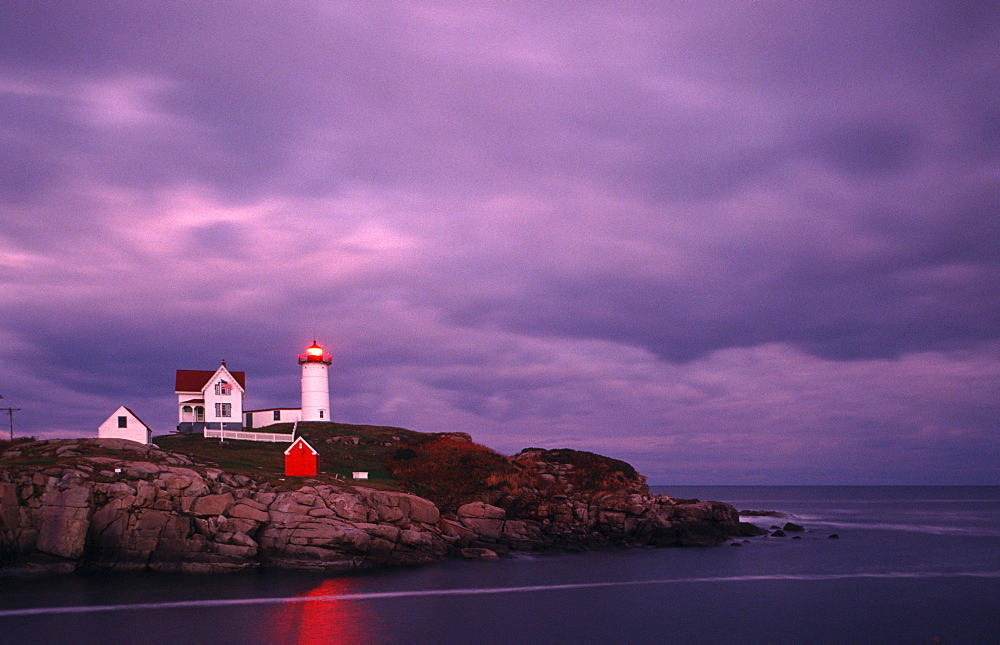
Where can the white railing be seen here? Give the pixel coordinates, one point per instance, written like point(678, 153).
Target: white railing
point(248, 436)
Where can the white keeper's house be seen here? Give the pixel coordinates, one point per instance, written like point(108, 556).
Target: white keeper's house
point(207, 399)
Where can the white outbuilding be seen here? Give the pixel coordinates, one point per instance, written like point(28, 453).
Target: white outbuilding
point(262, 418)
point(125, 424)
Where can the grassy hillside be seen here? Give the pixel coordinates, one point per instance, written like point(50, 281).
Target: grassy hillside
point(447, 468)
point(343, 448)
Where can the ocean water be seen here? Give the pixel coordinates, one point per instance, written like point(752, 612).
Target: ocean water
point(911, 565)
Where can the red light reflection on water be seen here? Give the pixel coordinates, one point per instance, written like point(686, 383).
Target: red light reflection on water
point(312, 622)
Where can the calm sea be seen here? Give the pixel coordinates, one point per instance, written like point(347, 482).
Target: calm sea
point(911, 565)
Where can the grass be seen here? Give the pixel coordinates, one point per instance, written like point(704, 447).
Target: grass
point(245, 457)
point(39, 453)
point(442, 467)
point(447, 470)
point(339, 454)
point(7, 443)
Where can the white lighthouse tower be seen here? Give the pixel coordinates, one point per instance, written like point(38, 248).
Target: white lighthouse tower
point(315, 383)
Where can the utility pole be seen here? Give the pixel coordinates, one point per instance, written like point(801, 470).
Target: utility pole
point(10, 412)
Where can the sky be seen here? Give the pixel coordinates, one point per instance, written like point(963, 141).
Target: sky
point(728, 242)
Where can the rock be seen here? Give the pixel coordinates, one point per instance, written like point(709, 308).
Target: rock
point(479, 553)
point(265, 498)
point(481, 509)
point(790, 526)
point(10, 516)
point(245, 511)
point(212, 504)
point(753, 513)
point(62, 530)
point(75, 497)
point(488, 528)
point(833, 536)
point(749, 530)
point(347, 507)
point(419, 509)
point(461, 436)
point(461, 534)
point(779, 533)
point(249, 501)
point(242, 539)
point(483, 519)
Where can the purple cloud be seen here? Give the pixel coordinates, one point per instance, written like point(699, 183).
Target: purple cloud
point(743, 243)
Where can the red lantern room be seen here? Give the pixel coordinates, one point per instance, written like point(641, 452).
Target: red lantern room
point(315, 354)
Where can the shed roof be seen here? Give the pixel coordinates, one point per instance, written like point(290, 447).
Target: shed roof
point(288, 450)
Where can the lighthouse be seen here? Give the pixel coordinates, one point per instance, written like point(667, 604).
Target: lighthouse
point(315, 383)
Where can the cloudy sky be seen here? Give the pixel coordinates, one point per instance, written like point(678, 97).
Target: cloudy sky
point(729, 242)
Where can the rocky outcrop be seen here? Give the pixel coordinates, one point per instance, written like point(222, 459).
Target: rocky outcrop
point(147, 509)
point(118, 505)
point(576, 523)
point(575, 499)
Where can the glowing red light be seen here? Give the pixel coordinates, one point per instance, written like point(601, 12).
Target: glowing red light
point(324, 620)
point(315, 354)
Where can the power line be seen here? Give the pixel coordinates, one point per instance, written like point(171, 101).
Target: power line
point(10, 412)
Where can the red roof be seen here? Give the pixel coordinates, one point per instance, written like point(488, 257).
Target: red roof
point(195, 380)
point(299, 446)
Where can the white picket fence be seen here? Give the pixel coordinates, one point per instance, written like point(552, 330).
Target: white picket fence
point(249, 436)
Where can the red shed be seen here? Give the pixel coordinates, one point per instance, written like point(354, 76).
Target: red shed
point(301, 459)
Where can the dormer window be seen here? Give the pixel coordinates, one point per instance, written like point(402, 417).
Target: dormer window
point(223, 388)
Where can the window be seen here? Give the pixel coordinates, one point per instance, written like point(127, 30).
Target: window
point(223, 409)
point(223, 389)
point(122, 422)
point(321, 414)
point(277, 415)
